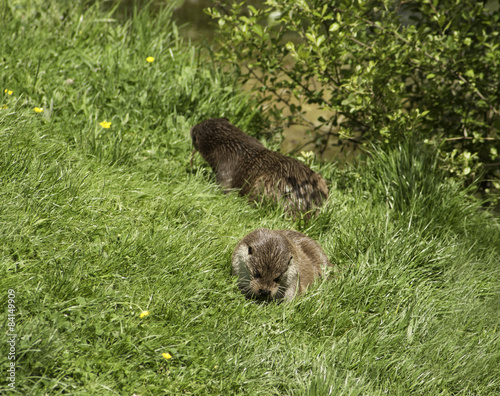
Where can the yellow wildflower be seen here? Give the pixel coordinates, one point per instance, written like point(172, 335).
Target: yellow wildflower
point(166, 355)
point(8, 91)
point(144, 314)
point(4, 106)
point(38, 109)
point(307, 154)
point(105, 124)
point(150, 59)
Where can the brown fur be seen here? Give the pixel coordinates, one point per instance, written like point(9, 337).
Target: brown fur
point(277, 264)
point(242, 162)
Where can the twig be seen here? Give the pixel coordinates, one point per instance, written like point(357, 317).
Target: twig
point(471, 138)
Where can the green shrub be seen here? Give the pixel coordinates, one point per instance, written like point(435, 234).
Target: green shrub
point(381, 70)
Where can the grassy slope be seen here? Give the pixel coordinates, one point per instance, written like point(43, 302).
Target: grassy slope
point(98, 224)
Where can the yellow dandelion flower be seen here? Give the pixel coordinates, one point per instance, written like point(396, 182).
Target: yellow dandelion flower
point(144, 314)
point(150, 59)
point(38, 109)
point(8, 91)
point(105, 124)
point(166, 355)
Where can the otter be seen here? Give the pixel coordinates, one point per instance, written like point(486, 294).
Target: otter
point(241, 162)
point(277, 264)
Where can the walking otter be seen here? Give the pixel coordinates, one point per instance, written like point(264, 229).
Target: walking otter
point(277, 264)
point(241, 161)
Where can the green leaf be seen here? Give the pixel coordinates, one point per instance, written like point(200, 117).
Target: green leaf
point(441, 20)
point(258, 30)
point(253, 10)
point(334, 27)
point(470, 73)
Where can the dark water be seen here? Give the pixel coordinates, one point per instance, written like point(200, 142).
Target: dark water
point(195, 23)
point(189, 16)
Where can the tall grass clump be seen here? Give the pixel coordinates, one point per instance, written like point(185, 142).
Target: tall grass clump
point(97, 69)
point(118, 250)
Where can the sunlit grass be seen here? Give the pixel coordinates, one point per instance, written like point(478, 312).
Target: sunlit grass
point(119, 251)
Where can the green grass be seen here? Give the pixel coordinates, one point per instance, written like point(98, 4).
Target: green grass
point(97, 225)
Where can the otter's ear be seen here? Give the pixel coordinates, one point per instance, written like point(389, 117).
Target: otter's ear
point(250, 250)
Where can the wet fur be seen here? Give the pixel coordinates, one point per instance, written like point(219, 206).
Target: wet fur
point(241, 162)
point(277, 264)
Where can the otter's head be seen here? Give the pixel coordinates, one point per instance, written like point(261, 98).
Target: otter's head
point(210, 135)
point(219, 141)
point(263, 259)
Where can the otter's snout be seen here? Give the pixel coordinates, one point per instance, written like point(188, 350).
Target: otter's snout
point(263, 289)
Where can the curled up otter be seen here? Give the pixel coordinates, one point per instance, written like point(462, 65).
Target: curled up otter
point(241, 162)
point(277, 264)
